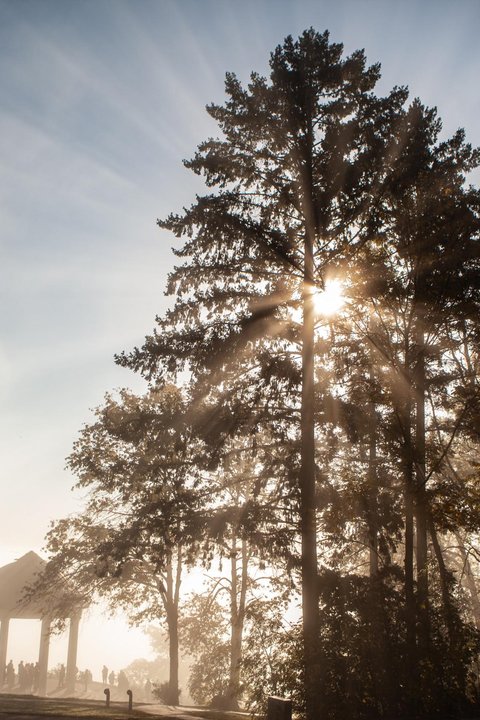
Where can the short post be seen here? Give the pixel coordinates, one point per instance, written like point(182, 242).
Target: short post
point(107, 696)
point(279, 709)
point(130, 699)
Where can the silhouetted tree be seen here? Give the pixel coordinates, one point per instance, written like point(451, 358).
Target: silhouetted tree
point(298, 175)
point(139, 526)
point(314, 178)
point(431, 229)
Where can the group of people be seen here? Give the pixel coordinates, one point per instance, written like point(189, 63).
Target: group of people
point(86, 678)
point(110, 678)
point(25, 680)
point(123, 684)
point(83, 676)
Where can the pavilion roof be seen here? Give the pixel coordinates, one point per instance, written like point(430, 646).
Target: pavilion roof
point(14, 578)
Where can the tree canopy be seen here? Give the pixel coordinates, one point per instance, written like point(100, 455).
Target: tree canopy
point(357, 432)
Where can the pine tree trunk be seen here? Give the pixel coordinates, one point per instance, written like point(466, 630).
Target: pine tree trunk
point(372, 490)
point(308, 523)
point(380, 655)
point(421, 508)
point(408, 498)
point(308, 516)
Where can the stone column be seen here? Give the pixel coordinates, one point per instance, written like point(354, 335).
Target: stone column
point(72, 653)
point(43, 656)
point(3, 648)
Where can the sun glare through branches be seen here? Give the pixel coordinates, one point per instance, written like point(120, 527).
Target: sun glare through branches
point(329, 300)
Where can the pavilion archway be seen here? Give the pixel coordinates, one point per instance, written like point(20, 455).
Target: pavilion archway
point(14, 578)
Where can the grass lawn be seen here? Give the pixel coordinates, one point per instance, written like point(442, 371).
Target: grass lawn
point(25, 707)
point(28, 706)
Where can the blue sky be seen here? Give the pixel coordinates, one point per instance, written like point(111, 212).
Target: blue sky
point(100, 100)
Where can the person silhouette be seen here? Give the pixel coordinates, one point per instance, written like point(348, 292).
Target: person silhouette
point(10, 675)
point(147, 690)
point(122, 681)
point(61, 676)
point(21, 676)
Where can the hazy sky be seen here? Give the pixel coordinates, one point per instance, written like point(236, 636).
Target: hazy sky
point(100, 100)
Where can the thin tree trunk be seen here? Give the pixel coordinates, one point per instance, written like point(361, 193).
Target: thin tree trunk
point(444, 585)
point(421, 509)
point(237, 619)
point(470, 580)
point(372, 488)
point(383, 687)
point(408, 498)
point(171, 608)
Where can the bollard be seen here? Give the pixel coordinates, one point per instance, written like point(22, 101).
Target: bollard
point(130, 699)
point(107, 696)
point(279, 709)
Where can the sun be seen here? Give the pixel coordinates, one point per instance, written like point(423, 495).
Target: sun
point(329, 300)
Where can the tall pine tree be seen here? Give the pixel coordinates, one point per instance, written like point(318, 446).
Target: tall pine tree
point(297, 175)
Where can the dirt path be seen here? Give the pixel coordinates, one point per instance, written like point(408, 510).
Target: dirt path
point(168, 711)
